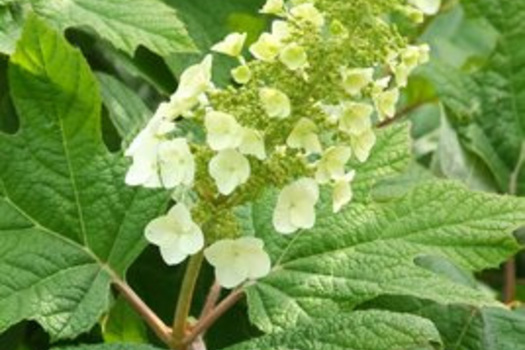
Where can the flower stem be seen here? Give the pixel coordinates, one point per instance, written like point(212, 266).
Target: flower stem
point(185, 298)
point(154, 322)
point(211, 300)
point(208, 320)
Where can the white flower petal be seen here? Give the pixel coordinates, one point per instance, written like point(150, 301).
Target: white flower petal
point(194, 81)
point(193, 240)
point(171, 253)
point(266, 48)
point(176, 234)
point(273, 7)
point(355, 79)
point(241, 74)
point(223, 131)
point(363, 144)
point(160, 230)
point(230, 277)
point(176, 163)
point(342, 193)
point(304, 136)
point(293, 56)
point(253, 144)
point(386, 102)
point(275, 103)
point(231, 45)
point(332, 163)
point(428, 7)
point(229, 169)
point(295, 206)
point(355, 118)
point(308, 13)
point(237, 260)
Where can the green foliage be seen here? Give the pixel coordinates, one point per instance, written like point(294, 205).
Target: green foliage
point(126, 24)
point(68, 222)
point(356, 330)
point(370, 250)
point(123, 325)
point(394, 270)
point(488, 100)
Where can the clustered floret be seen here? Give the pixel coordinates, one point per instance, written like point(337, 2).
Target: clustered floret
point(295, 117)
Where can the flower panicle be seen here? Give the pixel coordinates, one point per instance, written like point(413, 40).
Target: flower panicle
point(297, 114)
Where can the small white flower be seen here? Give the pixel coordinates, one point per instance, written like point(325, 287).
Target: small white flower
point(194, 81)
point(401, 72)
point(266, 48)
point(304, 136)
point(428, 7)
point(275, 103)
point(355, 79)
point(229, 169)
point(295, 207)
point(144, 169)
point(222, 130)
point(176, 235)
point(273, 7)
point(332, 164)
point(362, 144)
point(253, 144)
point(241, 74)
point(293, 56)
point(281, 30)
point(342, 192)
point(381, 85)
point(308, 13)
point(415, 15)
point(355, 118)
point(231, 45)
point(386, 102)
point(238, 260)
point(176, 163)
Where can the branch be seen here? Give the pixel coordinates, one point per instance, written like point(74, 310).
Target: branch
point(405, 111)
point(208, 320)
point(154, 322)
point(211, 300)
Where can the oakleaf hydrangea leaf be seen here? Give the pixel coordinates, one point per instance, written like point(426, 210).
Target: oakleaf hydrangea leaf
point(490, 101)
point(68, 223)
point(369, 250)
point(358, 330)
point(125, 23)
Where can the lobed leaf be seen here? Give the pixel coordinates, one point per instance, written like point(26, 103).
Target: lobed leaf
point(363, 330)
point(125, 23)
point(369, 250)
point(68, 223)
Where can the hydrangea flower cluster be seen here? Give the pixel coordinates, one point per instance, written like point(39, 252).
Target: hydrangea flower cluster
point(294, 118)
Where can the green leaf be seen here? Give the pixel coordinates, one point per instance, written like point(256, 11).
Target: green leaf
point(363, 330)
point(453, 161)
point(125, 23)
point(127, 111)
point(10, 27)
point(495, 127)
point(390, 156)
point(68, 223)
point(208, 22)
point(369, 250)
point(110, 347)
point(123, 325)
point(465, 327)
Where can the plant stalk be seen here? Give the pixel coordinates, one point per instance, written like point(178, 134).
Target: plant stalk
point(185, 299)
point(154, 322)
point(208, 320)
